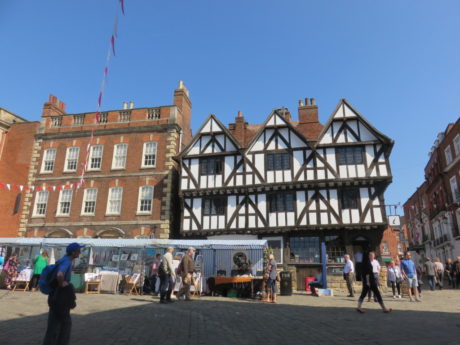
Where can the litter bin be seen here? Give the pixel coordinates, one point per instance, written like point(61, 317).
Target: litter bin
point(286, 283)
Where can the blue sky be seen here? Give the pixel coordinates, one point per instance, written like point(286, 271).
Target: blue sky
point(396, 61)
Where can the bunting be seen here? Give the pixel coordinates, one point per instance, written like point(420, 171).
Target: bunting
point(84, 165)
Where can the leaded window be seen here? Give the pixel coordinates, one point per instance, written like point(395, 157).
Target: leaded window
point(350, 155)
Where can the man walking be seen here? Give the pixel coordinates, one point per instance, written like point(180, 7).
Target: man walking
point(348, 274)
point(439, 272)
point(187, 268)
point(456, 271)
point(410, 274)
point(376, 271)
point(430, 271)
point(61, 299)
point(167, 276)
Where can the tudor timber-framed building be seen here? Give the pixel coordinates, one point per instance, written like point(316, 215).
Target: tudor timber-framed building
point(314, 191)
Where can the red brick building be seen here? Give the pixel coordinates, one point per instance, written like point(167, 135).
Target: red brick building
point(432, 212)
point(130, 182)
point(394, 241)
point(16, 142)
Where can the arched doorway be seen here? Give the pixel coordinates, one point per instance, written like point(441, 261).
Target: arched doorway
point(111, 233)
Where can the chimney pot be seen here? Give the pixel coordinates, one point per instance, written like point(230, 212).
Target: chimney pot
point(306, 101)
point(312, 101)
point(240, 114)
point(131, 105)
point(300, 103)
point(125, 105)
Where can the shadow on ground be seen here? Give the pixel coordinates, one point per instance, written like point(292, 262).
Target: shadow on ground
point(227, 321)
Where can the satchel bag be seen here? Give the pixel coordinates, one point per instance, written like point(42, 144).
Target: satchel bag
point(278, 278)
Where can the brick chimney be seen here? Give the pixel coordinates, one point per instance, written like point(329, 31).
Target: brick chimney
point(239, 128)
point(308, 112)
point(183, 102)
point(54, 107)
point(309, 124)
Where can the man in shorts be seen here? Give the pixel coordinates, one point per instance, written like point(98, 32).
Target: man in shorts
point(410, 274)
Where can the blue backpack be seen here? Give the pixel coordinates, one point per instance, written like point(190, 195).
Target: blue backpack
point(47, 282)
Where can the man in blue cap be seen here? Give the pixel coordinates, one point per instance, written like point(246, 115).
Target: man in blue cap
point(62, 299)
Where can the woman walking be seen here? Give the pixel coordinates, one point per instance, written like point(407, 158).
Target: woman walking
point(40, 263)
point(369, 284)
point(271, 281)
point(395, 278)
point(11, 271)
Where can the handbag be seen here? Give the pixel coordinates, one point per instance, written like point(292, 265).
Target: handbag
point(278, 278)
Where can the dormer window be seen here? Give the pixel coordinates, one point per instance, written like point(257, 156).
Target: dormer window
point(211, 166)
point(278, 161)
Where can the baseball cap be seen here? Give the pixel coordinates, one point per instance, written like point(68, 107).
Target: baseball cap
point(73, 247)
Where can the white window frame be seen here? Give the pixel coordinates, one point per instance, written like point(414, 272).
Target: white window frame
point(67, 158)
point(448, 155)
point(85, 200)
point(68, 197)
point(115, 156)
point(281, 239)
point(139, 200)
point(453, 182)
point(47, 159)
point(110, 199)
point(91, 156)
point(41, 195)
point(144, 153)
point(457, 145)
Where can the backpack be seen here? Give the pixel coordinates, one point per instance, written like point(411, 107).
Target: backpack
point(161, 270)
point(47, 282)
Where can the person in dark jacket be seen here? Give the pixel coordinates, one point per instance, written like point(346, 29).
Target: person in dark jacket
point(369, 283)
point(62, 299)
point(187, 268)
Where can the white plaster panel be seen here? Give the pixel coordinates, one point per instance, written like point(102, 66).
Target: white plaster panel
point(324, 218)
point(278, 176)
point(186, 213)
point(195, 167)
point(346, 217)
point(355, 216)
point(279, 120)
point(197, 208)
point(253, 198)
point(262, 205)
point(183, 183)
point(203, 181)
point(260, 163)
point(281, 219)
point(321, 174)
point(271, 176)
point(231, 205)
point(348, 111)
point(285, 133)
point(373, 172)
point(241, 221)
point(209, 149)
point(327, 138)
point(377, 215)
point(296, 141)
point(322, 205)
point(239, 180)
point(281, 144)
point(361, 170)
point(366, 135)
point(259, 144)
point(257, 180)
point(319, 163)
point(351, 171)
point(343, 171)
point(287, 175)
point(229, 165)
point(206, 222)
point(221, 222)
point(207, 127)
point(186, 226)
point(248, 180)
point(383, 170)
point(271, 121)
point(195, 149)
point(290, 218)
point(339, 113)
point(330, 156)
point(310, 175)
point(218, 181)
point(312, 218)
point(367, 218)
point(272, 144)
point(333, 199)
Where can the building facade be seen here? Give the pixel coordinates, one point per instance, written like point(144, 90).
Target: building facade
point(395, 240)
point(314, 192)
point(129, 188)
point(432, 213)
point(16, 142)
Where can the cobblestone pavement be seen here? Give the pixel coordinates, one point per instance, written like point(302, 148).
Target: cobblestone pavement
point(296, 319)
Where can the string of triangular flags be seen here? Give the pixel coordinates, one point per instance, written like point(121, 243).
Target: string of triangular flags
point(110, 53)
point(84, 165)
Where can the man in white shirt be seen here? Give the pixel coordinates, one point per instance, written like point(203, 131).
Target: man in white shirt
point(348, 274)
point(376, 271)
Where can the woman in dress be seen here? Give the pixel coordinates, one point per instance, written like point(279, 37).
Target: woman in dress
point(40, 263)
point(11, 271)
point(395, 278)
point(369, 283)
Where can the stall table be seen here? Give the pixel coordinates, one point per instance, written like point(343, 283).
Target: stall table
point(237, 280)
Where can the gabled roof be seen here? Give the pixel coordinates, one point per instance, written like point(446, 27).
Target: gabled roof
point(264, 126)
point(371, 128)
point(199, 133)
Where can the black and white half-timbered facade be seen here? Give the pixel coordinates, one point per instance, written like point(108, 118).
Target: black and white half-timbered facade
point(315, 192)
